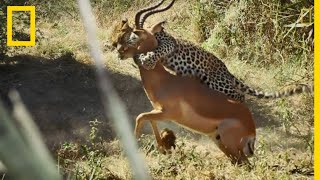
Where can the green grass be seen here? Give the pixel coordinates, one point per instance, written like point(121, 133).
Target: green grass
point(251, 38)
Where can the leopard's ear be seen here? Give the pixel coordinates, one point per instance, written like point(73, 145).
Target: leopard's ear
point(124, 20)
point(158, 27)
point(125, 26)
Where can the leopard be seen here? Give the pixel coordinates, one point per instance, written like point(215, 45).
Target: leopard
point(185, 58)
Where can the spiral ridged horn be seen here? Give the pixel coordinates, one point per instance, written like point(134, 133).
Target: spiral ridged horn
point(145, 16)
point(140, 12)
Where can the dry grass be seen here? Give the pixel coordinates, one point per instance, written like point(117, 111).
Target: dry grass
point(284, 148)
point(201, 159)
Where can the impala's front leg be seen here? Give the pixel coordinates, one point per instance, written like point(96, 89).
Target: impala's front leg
point(152, 116)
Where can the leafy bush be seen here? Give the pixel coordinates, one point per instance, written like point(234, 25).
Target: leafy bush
point(3, 25)
point(54, 10)
point(268, 32)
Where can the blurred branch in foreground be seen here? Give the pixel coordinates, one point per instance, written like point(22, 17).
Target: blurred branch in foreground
point(22, 150)
point(114, 108)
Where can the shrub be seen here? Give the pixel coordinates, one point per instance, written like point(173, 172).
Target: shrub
point(268, 32)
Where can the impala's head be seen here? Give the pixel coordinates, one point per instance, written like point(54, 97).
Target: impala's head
point(130, 41)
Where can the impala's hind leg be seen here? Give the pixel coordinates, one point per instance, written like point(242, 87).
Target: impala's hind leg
point(156, 133)
point(235, 140)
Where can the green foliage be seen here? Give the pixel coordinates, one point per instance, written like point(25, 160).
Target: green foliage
point(293, 120)
point(171, 165)
point(205, 16)
point(260, 32)
point(3, 27)
point(3, 37)
point(109, 7)
point(92, 153)
point(17, 34)
point(55, 10)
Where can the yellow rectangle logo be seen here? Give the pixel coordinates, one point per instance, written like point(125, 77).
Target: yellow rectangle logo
point(32, 41)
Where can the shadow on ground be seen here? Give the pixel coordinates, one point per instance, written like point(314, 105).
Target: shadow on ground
point(62, 96)
point(261, 112)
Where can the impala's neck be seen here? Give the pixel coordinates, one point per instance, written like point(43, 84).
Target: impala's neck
point(155, 76)
point(152, 80)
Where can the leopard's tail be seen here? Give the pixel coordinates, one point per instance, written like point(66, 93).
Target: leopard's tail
point(245, 89)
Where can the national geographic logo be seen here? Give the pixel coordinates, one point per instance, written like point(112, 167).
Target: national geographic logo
point(32, 41)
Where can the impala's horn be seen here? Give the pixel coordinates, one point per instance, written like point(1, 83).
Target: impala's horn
point(141, 11)
point(145, 16)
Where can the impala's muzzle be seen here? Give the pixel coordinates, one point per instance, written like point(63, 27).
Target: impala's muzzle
point(248, 149)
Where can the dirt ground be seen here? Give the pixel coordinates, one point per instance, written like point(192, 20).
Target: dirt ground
point(62, 96)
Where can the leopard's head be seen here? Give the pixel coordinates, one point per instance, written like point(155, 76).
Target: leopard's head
point(120, 34)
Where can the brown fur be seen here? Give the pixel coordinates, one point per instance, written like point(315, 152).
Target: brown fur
point(122, 30)
point(191, 104)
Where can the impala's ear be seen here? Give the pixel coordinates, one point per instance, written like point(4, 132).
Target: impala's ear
point(141, 33)
point(158, 27)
